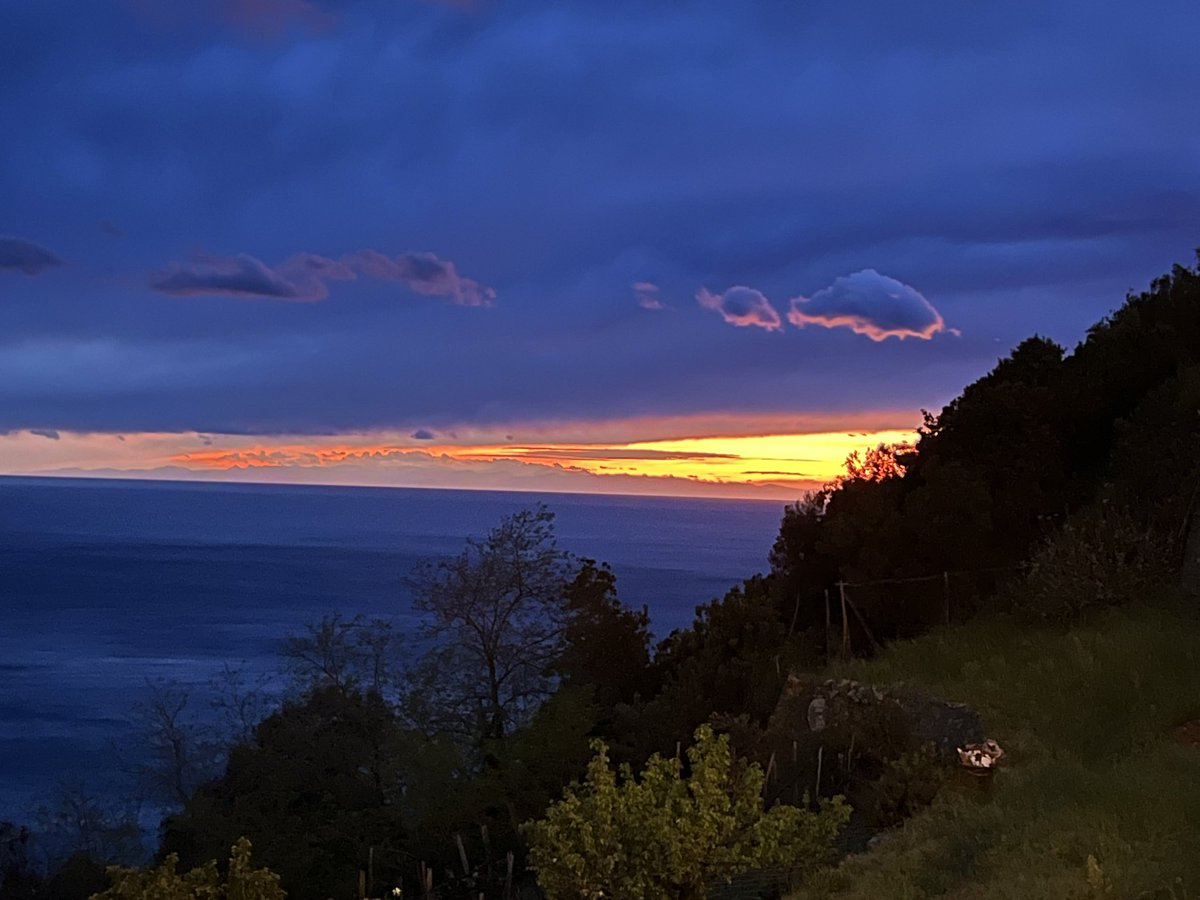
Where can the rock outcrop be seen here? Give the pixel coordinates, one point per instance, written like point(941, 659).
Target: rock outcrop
point(894, 712)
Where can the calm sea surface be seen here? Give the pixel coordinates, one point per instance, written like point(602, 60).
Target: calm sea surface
point(106, 584)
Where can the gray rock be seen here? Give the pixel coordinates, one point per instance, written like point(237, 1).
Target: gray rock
point(806, 709)
point(816, 714)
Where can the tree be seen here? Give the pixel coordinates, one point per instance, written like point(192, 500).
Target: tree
point(495, 616)
point(667, 835)
point(349, 655)
point(177, 753)
point(607, 645)
point(18, 880)
point(79, 823)
point(880, 463)
point(321, 784)
point(202, 883)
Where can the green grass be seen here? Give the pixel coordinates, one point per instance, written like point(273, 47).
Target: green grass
point(1094, 799)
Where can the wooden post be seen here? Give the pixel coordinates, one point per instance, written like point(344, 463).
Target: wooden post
point(820, 759)
point(508, 878)
point(462, 854)
point(796, 770)
point(865, 627)
point(362, 884)
point(828, 629)
point(371, 870)
point(845, 621)
point(946, 598)
point(428, 883)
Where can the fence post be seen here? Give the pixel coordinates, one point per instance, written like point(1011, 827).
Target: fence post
point(946, 597)
point(462, 854)
point(845, 621)
point(796, 769)
point(828, 630)
point(865, 627)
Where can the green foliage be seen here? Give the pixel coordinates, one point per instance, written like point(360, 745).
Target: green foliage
point(734, 659)
point(318, 787)
point(908, 784)
point(667, 835)
point(241, 882)
point(607, 644)
point(1085, 713)
point(1101, 557)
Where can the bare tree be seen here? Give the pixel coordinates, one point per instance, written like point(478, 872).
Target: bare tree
point(79, 822)
point(495, 620)
point(178, 751)
point(350, 655)
point(240, 705)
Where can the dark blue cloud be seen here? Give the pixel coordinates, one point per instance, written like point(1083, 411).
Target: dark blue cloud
point(306, 276)
point(20, 255)
point(245, 276)
point(1023, 164)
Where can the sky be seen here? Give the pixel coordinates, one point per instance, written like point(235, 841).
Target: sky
point(604, 245)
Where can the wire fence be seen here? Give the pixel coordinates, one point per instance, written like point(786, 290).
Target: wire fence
point(857, 612)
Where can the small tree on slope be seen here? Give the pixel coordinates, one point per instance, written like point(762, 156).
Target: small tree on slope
point(666, 836)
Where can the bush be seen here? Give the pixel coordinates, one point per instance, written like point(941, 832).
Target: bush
point(1100, 558)
point(909, 784)
point(666, 836)
point(202, 883)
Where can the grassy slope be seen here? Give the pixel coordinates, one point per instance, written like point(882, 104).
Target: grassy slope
point(1085, 715)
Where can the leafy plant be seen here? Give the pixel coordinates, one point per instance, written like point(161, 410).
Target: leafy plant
point(667, 835)
point(1101, 557)
point(908, 784)
point(202, 883)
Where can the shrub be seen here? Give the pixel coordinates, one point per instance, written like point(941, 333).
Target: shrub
point(202, 883)
point(667, 835)
point(1101, 557)
point(909, 784)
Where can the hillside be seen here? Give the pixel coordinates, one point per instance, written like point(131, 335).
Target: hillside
point(1097, 796)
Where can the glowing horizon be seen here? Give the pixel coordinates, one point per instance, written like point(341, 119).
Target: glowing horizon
point(737, 464)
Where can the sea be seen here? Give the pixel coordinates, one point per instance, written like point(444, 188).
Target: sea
point(109, 586)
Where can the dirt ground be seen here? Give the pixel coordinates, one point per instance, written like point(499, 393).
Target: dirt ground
point(1188, 734)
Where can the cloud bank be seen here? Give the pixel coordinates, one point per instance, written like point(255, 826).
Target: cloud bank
point(20, 255)
point(422, 273)
point(305, 277)
point(872, 304)
point(301, 278)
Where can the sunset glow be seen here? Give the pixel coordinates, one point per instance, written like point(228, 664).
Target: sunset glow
point(770, 466)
